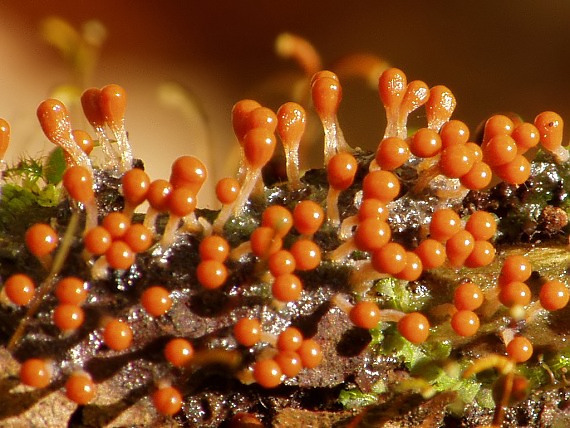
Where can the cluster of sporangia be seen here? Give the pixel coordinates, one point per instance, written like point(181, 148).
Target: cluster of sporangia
point(442, 149)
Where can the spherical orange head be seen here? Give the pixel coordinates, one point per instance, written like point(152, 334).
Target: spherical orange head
point(440, 104)
point(341, 170)
point(262, 117)
point(240, 112)
point(188, 171)
point(392, 87)
point(182, 201)
point(323, 73)
point(83, 140)
point(327, 94)
point(550, 126)
point(78, 182)
point(417, 94)
point(258, 145)
point(91, 107)
point(53, 117)
point(291, 120)
point(4, 137)
point(113, 102)
point(135, 184)
point(158, 194)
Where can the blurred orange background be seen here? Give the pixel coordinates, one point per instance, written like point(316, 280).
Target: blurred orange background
point(495, 56)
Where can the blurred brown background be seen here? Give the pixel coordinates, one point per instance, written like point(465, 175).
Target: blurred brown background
point(494, 55)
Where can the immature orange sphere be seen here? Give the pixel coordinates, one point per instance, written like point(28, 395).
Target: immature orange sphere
point(247, 331)
point(310, 353)
point(553, 295)
point(156, 300)
point(444, 224)
point(188, 171)
point(365, 314)
point(281, 262)
point(468, 296)
point(167, 400)
point(179, 352)
point(307, 254)
point(413, 269)
point(372, 208)
point(341, 170)
point(454, 132)
point(431, 253)
point(308, 217)
point(499, 150)
point(465, 323)
point(265, 242)
point(158, 194)
point(456, 161)
point(287, 288)
point(459, 247)
point(20, 289)
point(392, 153)
point(214, 247)
point(71, 290)
point(135, 184)
point(78, 182)
point(138, 237)
point(520, 349)
point(290, 339)
point(267, 373)
point(516, 171)
point(482, 225)
point(116, 224)
point(211, 274)
point(227, 190)
point(278, 218)
point(390, 259)
point(372, 234)
point(515, 293)
point(97, 240)
point(425, 143)
point(476, 151)
point(381, 185)
point(478, 177)
point(120, 255)
point(483, 254)
point(289, 362)
point(182, 201)
point(35, 372)
point(41, 239)
point(526, 135)
point(68, 317)
point(516, 268)
point(414, 327)
point(498, 124)
point(80, 388)
point(117, 335)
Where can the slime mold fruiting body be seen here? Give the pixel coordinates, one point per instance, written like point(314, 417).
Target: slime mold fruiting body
point(264, 297)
